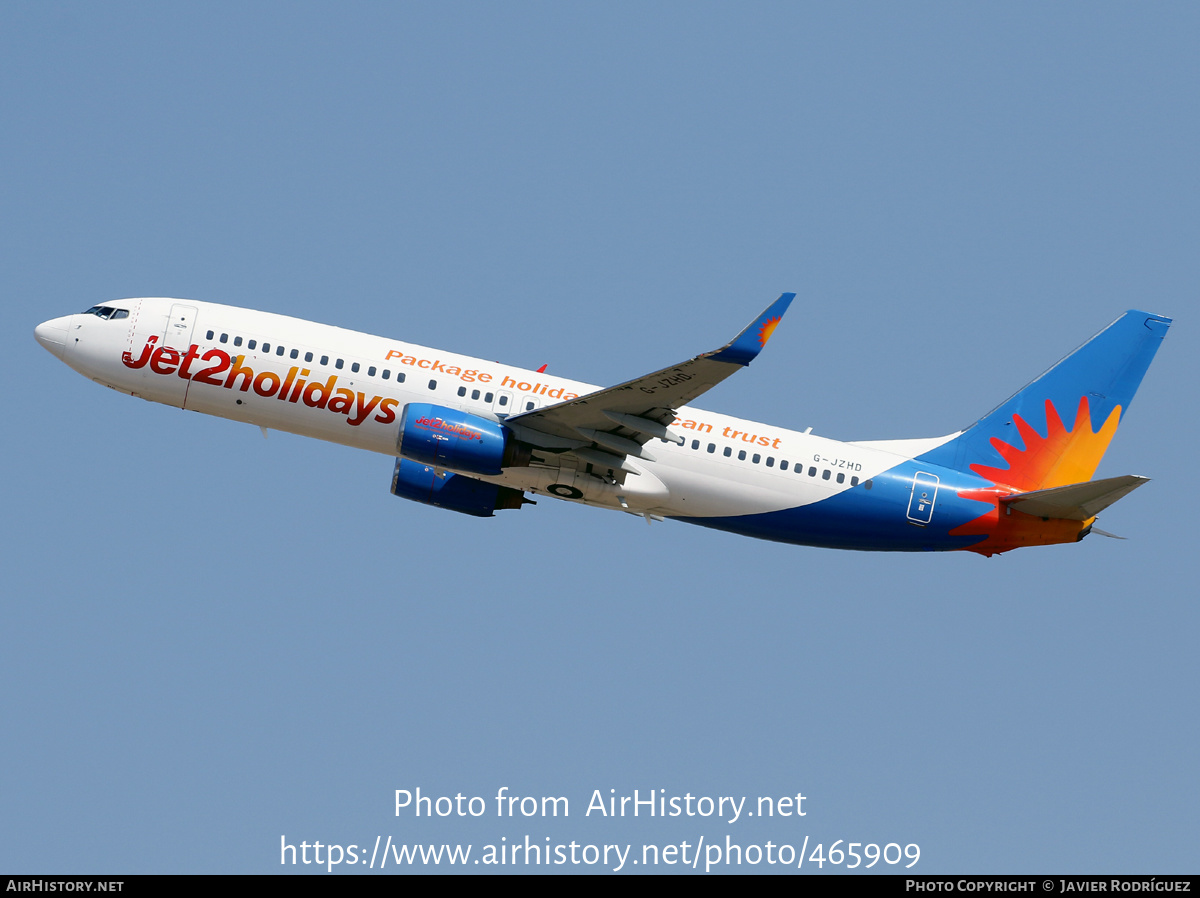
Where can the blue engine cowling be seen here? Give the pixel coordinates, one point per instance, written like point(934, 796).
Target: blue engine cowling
point(456, 492)
point(448, 438)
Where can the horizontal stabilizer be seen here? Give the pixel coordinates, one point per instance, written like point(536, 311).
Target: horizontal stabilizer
point(1076, 502)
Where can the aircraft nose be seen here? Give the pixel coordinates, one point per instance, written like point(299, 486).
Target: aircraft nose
point(52, 335)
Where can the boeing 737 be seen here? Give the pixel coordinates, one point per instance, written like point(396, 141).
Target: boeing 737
point(476, 437)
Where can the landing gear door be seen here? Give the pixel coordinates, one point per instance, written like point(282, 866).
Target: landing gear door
point(179, 327)
point(924, 494)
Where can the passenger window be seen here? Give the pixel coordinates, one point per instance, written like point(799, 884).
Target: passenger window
point(252, 344)
point(529, 405)
point(324, 360)
point(825, 474)
point(854, 481)
point(868, 484)
point(841, 478)
point(387, 373)
point(695, 444)
point(308, 356)
point(728, 451)
point(209, 335)
point(812, 472)
point(354, 367)
point(770, 461)
point(474, 394)
point(783, 466)
point(712, 447)
point(266, 347)
point(503, 399)
point(338, 364)
point(371, 371)
point(486, 398)
point(433, 385)
point(295, 353)
point(237, 341)
point(279, 350)
point(741, 455)
point(400, 377)
point(462, 391)
point(224, 338)
point(756, 458)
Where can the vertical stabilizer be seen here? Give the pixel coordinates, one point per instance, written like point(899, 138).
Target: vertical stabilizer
point(1055, 431)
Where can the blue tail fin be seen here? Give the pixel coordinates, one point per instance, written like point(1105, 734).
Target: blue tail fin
point(1055, 431)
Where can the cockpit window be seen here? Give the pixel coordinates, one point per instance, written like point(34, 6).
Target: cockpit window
point(107, 312)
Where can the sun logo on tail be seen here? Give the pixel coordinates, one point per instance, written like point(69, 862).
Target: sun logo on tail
point(1059, 458)
point(768, 328)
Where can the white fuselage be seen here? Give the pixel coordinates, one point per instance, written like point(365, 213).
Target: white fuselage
point(348, 387)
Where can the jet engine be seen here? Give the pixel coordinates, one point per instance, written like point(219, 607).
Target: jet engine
point(449, 438)
point(456, 492)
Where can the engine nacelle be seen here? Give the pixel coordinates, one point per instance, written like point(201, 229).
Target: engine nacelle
point(456, 492)
point(448, 438)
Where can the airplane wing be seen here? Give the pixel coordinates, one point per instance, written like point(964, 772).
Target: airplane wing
point(621, 419)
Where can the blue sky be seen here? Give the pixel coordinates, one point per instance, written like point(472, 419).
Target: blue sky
point(213, 641)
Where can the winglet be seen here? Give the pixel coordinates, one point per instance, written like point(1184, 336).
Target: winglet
point(743, 349)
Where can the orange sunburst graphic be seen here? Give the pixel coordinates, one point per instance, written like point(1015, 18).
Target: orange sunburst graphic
point(1059, 458)
point(768, 328)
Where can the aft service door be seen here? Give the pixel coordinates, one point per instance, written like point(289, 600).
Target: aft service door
point(924, 494)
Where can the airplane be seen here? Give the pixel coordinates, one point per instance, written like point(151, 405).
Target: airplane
point(476, 437)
